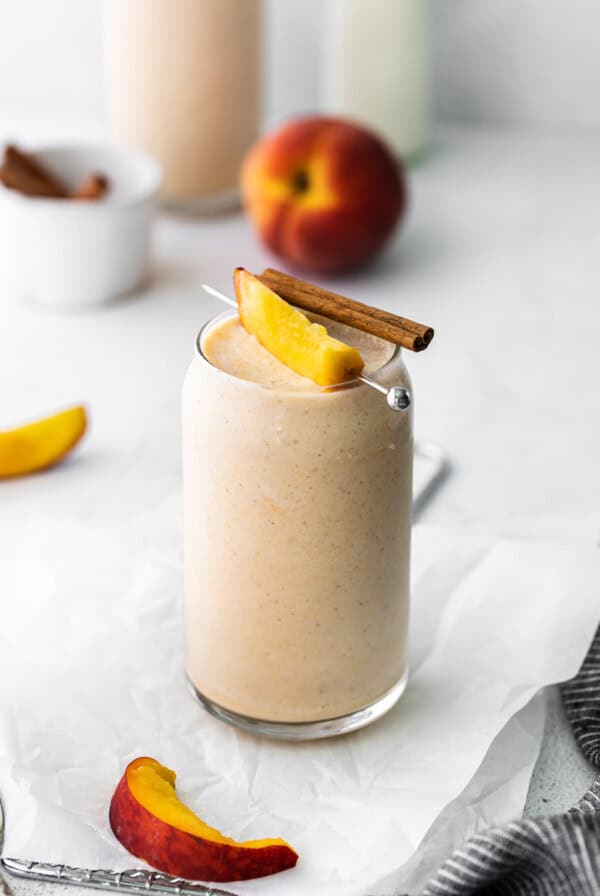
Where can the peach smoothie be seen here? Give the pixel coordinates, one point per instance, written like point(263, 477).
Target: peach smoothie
point(297, 505)
point(183, 82)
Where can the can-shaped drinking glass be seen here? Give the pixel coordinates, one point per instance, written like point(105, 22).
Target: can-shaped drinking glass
point(297, 508)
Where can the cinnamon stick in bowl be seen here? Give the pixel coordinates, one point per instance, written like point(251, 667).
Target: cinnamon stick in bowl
point(384, 324)
point(21, 171)
point(95, 186)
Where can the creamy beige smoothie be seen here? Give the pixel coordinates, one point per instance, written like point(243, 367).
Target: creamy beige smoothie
point(183, 84)
point(297, 531)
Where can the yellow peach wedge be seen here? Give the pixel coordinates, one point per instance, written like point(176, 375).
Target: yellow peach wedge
point(35, 446)
point(303, 346)
point(148, 819)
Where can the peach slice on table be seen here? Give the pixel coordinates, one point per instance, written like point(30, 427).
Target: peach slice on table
point(303, 346)
point(151, 823)
point(41, 444)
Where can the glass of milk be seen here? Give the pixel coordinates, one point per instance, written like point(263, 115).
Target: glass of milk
point(376, 68)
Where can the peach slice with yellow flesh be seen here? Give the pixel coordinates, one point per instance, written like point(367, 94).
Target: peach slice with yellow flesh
point(42, 444)
point(303, 346)
point(151, 823)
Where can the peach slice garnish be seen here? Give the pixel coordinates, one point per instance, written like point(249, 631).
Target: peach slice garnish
point(303, 346)
point(150, 821)
point(41, 444)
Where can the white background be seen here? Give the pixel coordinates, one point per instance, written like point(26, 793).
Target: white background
point(500, 253)
point(513, 62)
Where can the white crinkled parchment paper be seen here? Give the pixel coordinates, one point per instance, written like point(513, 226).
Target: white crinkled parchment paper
point(91, 676)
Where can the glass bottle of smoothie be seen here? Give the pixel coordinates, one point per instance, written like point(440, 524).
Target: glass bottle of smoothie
point(297, 505)
point(184, 85)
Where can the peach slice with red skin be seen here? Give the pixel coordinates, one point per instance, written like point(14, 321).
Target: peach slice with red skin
point(151, 823)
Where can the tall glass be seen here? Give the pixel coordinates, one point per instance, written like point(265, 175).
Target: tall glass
point(376, 68)
point(297, 513)
point(184, 85)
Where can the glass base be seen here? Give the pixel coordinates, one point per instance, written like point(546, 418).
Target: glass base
point(209, 204)
point(296, 731)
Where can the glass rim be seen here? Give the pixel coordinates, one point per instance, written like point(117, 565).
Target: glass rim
point(325, 390)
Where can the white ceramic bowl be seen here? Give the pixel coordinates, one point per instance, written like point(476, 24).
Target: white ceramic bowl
point(70, 253)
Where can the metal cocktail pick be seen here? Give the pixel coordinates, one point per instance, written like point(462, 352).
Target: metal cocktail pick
point(397, 397)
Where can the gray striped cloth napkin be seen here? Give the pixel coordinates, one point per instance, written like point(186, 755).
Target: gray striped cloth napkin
point(554, 856)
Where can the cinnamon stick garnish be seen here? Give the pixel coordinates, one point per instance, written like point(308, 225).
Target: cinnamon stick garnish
point(384, 324)
point(21, 171)
point(94, 186)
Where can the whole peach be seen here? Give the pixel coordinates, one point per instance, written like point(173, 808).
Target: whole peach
point(324, 194)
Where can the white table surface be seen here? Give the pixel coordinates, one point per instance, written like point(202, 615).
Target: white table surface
point(499, 253)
